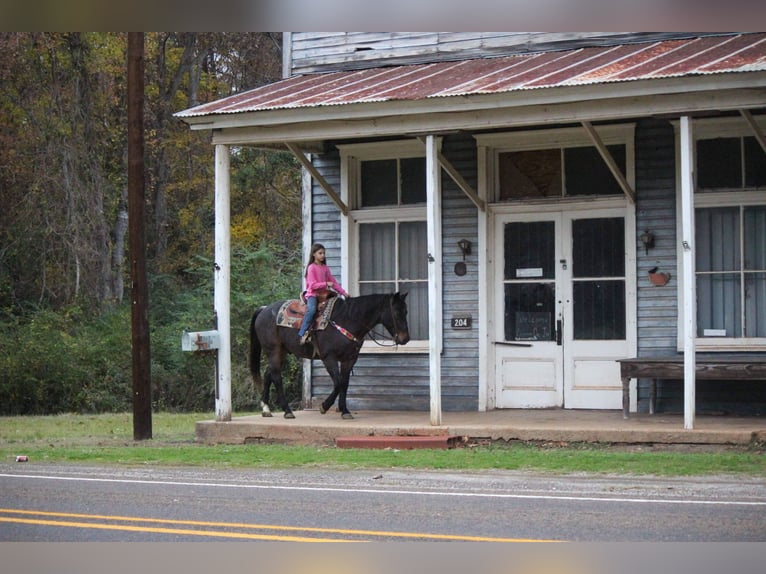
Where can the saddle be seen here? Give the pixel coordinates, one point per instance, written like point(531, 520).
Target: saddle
point(292, 311)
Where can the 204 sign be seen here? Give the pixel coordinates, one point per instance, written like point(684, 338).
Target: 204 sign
point(461, 322)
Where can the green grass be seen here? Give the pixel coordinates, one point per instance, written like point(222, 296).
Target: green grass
point(107, 439)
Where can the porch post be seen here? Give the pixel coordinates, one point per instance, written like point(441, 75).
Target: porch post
point(434, 209)
point(688, 268)
point(222, 283)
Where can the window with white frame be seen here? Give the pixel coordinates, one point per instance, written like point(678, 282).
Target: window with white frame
point(386, 186)
point(555, 164)
point(730, 235)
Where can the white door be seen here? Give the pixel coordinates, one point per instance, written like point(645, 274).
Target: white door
point(562, 309)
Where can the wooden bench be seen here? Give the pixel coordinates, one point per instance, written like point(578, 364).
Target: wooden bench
point(708, 366)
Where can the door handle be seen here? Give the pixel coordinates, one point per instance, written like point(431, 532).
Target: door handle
point(558, 332)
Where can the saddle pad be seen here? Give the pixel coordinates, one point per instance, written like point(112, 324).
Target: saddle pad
point(291, 314)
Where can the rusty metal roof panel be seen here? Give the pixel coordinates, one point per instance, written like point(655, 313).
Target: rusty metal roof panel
point(582, 66)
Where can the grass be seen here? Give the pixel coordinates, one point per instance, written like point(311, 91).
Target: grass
point(108, 439)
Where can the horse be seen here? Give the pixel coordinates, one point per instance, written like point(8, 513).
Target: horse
point(337, 345)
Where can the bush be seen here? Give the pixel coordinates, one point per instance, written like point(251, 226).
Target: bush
point(74, 360)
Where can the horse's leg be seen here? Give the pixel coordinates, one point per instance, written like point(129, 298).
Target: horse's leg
point(265, 410)
point(276, 360)
point(345, 374)
point(331, 364)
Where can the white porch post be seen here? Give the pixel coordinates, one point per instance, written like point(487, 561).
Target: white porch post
point(222, 283)
point(434, 209)
point(689, 281)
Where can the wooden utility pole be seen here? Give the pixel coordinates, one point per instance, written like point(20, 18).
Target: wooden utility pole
point(139, 293)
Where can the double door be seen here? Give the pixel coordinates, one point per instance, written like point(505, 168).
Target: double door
point(564, 308)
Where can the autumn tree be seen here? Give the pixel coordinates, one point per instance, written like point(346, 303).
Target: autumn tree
point(63, 158)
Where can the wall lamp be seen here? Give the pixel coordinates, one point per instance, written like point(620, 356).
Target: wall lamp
point(465, 247)
point(647, 238)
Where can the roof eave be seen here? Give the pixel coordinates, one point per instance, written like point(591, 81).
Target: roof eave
point(409, 115)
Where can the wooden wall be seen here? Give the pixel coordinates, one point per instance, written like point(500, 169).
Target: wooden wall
point(401, 381)
point(309, 52)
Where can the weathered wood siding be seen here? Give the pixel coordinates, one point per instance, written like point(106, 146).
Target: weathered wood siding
point(656, 212)
point(309, 52)
point(401, 381)
point(658, 306)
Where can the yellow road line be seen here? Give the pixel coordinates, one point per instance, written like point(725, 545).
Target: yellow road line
point(347, 532)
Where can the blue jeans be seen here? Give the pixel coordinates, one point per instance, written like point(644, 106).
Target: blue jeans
point(311, 311)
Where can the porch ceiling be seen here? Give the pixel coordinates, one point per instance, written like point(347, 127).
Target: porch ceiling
point(290, 109)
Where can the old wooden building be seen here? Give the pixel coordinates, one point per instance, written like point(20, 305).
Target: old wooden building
point(551, 202)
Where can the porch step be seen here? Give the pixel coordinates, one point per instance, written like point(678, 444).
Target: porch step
point(398, 442)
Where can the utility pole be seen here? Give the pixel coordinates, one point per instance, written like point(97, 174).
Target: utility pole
point(139, 293)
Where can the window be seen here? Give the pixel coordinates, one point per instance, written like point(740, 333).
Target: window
point(730, 163)
point(393, 257)
point(554, 164)
point(557, 172)
point(386, 184)
point(731, 271)
point(730, 236)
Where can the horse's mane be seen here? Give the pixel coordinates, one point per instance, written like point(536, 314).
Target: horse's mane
point(355, 307)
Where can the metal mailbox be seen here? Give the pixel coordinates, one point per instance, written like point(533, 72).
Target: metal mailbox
point(200, 340)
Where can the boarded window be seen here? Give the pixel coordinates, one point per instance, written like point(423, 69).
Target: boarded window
point(573, 171)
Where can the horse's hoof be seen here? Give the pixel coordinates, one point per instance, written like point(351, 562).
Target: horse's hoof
point(265, 413)
point(322, 410)
point(289, 415)
point(347, 416)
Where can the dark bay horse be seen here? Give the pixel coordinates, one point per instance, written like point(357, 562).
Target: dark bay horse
point(336, 349)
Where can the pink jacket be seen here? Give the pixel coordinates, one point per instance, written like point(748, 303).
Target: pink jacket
point(317, 277)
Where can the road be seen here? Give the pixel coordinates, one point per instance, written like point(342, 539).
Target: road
point(73, 503)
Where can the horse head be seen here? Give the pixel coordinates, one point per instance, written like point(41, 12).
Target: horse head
point(394, 318)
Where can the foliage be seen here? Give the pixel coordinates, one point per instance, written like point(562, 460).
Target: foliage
point(74, 360)
point(64, 267)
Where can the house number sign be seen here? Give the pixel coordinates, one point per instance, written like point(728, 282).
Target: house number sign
point(461, 322)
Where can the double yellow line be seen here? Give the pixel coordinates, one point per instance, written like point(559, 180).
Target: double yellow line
point(220, 529)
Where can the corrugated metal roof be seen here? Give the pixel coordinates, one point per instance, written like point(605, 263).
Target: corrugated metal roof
point(583, 66)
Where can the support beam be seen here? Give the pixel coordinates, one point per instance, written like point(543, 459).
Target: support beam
point(434, 212)
point(610, 163)
point(689, 316)
point(222, 282)
point(318, 177)
point(757, 131)
point(458, 179)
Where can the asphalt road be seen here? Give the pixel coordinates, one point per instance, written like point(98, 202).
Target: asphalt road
point(74, 503)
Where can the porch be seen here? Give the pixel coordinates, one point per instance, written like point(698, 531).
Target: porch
point(550, 425)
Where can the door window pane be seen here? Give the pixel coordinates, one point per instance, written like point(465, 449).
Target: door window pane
point(530, 250)
point(599, 310)
point(529, 312)
point(598, 247)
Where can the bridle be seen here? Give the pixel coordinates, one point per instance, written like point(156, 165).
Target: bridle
point(374, 333)
point(351, 337)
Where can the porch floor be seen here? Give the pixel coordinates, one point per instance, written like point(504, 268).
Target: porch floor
point(554, 425)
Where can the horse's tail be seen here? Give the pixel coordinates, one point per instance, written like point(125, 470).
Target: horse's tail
point(255, 352)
